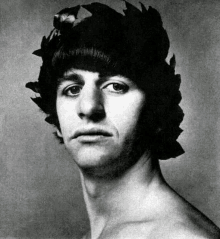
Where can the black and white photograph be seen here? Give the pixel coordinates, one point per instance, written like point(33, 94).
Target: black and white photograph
point(110, 119)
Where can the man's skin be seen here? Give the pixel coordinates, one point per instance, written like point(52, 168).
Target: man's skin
point(125, 193)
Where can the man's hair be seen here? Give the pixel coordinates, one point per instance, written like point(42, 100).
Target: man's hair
point(134, 45)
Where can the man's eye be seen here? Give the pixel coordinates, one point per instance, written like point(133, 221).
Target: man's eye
point(117, 88)
point(73, 90)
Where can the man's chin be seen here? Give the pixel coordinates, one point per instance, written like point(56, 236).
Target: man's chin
point(93, 158)
point(105, 167)
point(97, 164)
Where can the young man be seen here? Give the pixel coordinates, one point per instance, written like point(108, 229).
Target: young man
point(114, 100)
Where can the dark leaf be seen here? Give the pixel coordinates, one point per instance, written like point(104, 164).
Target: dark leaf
point(173, 62)
point(38, 53)
point(61, 16)
point(143, 8)
point(171, 150)
point(52, 33)
point(74, 11)
point(154, 16)
point(33, 86)
point(69, 11)
point(101, 10)
point(38, 101)
point(178, 80)
point(44, 42)
point(49, 119)
point(131, 10)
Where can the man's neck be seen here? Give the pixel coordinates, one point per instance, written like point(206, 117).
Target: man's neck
point(124, 198)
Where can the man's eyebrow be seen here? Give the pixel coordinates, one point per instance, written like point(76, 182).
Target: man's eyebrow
point(104, 78)
point(70, 77)
point(109, 75)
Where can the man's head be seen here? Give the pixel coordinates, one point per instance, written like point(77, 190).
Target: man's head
point(100, 121)
point(134, 46)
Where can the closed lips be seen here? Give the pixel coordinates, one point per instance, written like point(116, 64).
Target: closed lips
point(92, 132)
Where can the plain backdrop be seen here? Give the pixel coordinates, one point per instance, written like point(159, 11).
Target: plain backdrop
point(40, 193)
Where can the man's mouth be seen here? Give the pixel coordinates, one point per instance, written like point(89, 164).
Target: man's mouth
point(91, 135)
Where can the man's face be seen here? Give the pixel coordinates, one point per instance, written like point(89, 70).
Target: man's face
point(99, 118)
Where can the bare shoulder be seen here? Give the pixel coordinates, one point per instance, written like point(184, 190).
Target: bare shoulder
point(185, 230)
point(179, 229)
point(185, 221)
point(191, 224)
point(166, 230)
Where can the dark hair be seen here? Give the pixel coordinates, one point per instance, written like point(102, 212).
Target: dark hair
point(134, 45)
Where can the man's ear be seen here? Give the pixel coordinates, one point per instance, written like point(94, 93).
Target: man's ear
point(59, 133)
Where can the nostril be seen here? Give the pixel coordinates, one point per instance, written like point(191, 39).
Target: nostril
point(95, 115)
point(98, 115)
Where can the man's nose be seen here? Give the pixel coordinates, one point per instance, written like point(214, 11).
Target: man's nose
point(91, 105)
